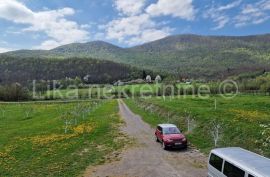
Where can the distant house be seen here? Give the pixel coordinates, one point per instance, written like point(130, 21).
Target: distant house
point(158, 79)
point(86, 78)
point(148, 79)
point(119, 83)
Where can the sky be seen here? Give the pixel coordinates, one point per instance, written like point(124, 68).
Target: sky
point(46, 24)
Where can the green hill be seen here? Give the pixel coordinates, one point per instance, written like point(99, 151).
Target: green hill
point(23, 70)
point(190, 56)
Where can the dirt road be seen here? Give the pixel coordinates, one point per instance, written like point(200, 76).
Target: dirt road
point(147, 158)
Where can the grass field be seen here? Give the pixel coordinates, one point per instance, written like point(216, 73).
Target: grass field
point(244, 120)
point(134, 90)
point(101, 92)
point(33, 141)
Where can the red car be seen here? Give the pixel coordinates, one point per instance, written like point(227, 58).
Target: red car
point(170, 136)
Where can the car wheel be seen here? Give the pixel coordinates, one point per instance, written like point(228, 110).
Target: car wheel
point(164, 146)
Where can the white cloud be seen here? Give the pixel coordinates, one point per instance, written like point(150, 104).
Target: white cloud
point(52, 22)
point(15, 11)
point(221, 21)
point(177, 8)
point(218, 14)
point(128, 26)
point(255, 13)
point(3, 50)
point(135, 30)
point(129, 7)
point(136, 24)
point(218, 18)
point(148, 35)
point(229, 6)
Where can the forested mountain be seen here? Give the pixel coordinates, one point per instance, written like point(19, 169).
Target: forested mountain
point(190, 56)
point(206, 56)
point(24, 70)
point(95, 49)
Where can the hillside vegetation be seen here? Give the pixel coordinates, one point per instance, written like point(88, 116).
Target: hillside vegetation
point(22, 70)
point(189, 56)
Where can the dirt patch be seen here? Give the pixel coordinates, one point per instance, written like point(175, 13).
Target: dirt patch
point(147, 158)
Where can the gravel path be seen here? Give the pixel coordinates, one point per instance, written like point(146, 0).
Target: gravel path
point(147, 158)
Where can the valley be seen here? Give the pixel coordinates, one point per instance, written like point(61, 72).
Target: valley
point(90, 109)
point(134, 88)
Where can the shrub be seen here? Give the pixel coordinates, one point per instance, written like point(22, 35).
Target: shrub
point(14, 92)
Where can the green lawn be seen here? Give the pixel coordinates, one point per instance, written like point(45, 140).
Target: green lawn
point(243, 119)
point(101, 92)
point(37, 145)
point(82, 93)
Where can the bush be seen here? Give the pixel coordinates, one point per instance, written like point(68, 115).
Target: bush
point(14, 92)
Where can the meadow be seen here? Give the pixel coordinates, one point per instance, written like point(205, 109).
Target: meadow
point(57, 139)
point(243, 121)
point(101, 91)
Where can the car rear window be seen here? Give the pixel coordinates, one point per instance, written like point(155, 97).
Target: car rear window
point(216, 162)
point(232, 171)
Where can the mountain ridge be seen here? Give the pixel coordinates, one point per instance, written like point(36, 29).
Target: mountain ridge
point(186, 55)
point(172, 36)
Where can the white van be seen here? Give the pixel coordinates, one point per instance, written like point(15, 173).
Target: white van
point(237, 162)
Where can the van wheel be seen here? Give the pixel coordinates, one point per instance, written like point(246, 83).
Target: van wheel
point(164, 146)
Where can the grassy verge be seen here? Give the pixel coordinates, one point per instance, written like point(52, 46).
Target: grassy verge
point(37, 145)
point(148, 117)
point(244, 120)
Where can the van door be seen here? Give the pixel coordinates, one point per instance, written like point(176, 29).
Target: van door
point(215, 166)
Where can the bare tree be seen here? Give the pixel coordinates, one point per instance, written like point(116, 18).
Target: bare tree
point(159, 113)
point(84, 111)
point(216, 131)
point(28, 110)
point(3, 110)
point(67, 117)
point(190, 121)
point(76, 114)
point(59, 109)
point(95, 105)
point(150, 108)
point(78, 111)
point(168, 117)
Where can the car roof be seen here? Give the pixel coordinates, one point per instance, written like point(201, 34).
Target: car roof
point(255, 164)
point(166, 125)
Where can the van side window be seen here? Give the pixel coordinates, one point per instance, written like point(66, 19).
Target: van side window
point(232, 171)
point(216, 161)
point(251, 176)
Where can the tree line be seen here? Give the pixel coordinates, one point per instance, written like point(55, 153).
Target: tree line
point(25, 70)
